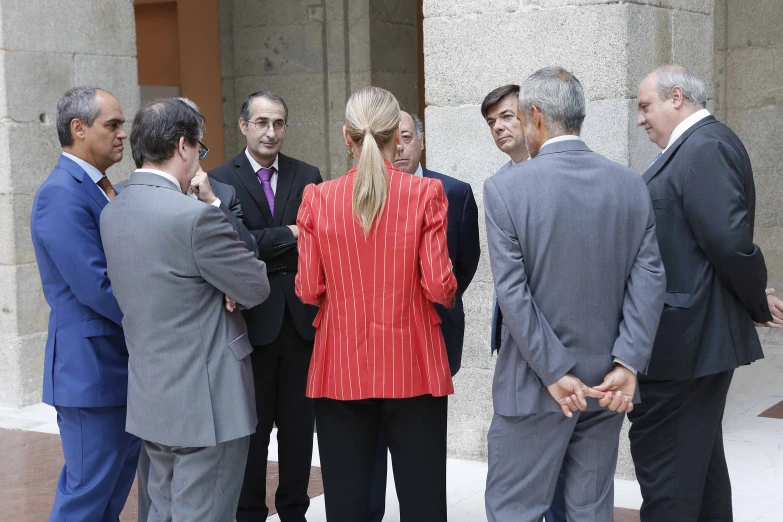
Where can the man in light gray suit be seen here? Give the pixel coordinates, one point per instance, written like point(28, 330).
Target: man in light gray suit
point(576, 265)
point(179, 270)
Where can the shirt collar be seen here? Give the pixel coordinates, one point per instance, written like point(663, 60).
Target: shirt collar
point(255, 164)
point(89, 168)
point(556, 139)
point(162, 174)
point(419, 171)
point(686, 124)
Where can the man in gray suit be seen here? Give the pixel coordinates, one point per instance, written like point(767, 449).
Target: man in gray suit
point(576, 266)
point(173, 261)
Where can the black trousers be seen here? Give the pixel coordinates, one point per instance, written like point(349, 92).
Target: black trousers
point(556, 513)
point(348, 446)
point(677, 448)
point(280, 373)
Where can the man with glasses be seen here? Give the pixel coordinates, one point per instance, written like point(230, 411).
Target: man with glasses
point(269, 186)
point(173, 262)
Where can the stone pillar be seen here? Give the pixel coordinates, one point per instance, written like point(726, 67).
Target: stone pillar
point(749, 81)
point(315, 53)
point(46, 47)
point(472, 47)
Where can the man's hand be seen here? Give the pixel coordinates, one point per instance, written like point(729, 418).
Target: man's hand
point(231, 305)
point(295, 230)
point(775, 308)
point(570, 393)
point(201, 187)
point(619, 386)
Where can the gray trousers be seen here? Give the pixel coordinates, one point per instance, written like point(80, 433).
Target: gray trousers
point(189, 484)
point(525, 457)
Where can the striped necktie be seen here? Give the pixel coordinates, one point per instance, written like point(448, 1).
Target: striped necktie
point(656, 159)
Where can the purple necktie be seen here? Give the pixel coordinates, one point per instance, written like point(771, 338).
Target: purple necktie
point(265, 176)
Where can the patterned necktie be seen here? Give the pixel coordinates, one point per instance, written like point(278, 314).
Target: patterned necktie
point(656, 159)
point(105, 185)
point(265, 176)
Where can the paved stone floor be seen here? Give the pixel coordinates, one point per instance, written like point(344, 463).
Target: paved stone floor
point(32, 463)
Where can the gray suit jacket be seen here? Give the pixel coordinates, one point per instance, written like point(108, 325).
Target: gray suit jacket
point(577, 271)
point(171, 259)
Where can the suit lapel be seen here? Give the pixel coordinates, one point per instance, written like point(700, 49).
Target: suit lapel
point(285, 178)
point(656, 167)
point(244, 172)
point(88, 185)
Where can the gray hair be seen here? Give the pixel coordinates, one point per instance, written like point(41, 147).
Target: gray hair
point(245, 111)
point(558, 95)
point(419, 126)
point(670, 76)
point(187, 101)
point(77, 104)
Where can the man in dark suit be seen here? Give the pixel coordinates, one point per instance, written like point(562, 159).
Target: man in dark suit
point(269, 186)
point(86, 359)
point(702, 190)
point(464, 251)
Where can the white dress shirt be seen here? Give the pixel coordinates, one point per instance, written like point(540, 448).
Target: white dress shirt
point(95, 174)
point(174, 180)
point(556, 139)
point(684, 125)
point(257, 167)
point(419, 171)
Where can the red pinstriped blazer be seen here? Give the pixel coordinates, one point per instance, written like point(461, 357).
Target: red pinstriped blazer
point(377, 333)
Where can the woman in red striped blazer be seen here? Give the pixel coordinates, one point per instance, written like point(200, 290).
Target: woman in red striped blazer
point(373, 256)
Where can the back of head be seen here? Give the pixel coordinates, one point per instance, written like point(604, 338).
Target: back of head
point(558, 95)
point(372, 117)
point(159, 125)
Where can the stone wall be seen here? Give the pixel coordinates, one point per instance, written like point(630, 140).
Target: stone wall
point(749, 86)
point(471, 47)
point(46, 47)
point(315, 53)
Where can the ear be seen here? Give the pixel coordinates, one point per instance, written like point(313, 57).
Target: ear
point(181, 148)
point(677, 97)
point(78, 129)
point(537, 117)
point(243, 126)
point(348, 141)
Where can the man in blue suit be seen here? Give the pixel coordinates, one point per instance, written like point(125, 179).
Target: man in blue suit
point(86, 362)
point(464, 246)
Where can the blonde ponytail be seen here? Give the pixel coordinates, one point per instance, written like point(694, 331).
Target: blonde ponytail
point(371, 120)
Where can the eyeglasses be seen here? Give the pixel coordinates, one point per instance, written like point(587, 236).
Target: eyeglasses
point(263, 125)
point(202, 150)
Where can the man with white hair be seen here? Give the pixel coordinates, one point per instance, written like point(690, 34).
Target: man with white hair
point(578, 275)
point(701, 186)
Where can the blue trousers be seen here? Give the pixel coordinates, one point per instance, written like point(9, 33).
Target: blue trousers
point(556, 513)
point(100, 464)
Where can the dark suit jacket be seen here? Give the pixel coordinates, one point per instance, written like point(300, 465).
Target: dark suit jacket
point(274, 240)
point(705, 201)
point(464, 251)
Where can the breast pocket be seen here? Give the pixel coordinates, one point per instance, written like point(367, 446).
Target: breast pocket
point(663, 203)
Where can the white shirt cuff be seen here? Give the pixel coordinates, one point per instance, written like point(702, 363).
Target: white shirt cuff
point(216, 202)
point(621, 363)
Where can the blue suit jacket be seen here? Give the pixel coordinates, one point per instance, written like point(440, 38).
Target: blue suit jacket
point(464, 251)
point(86, 361)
